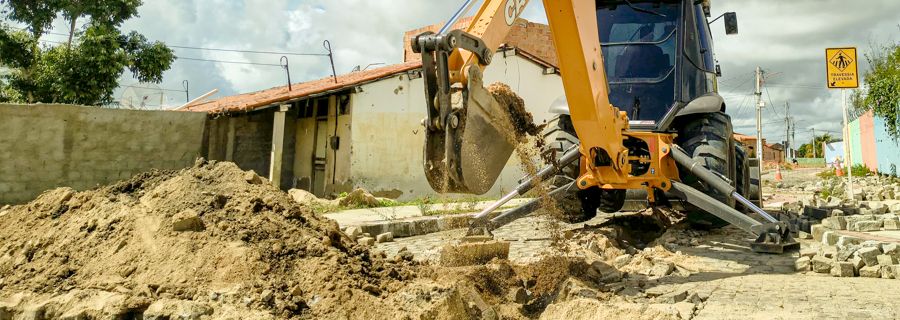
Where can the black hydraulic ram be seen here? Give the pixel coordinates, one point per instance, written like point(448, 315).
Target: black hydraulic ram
point(771, 237)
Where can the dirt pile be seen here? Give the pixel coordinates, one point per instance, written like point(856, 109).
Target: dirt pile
point(208, 240)
point(213, 241)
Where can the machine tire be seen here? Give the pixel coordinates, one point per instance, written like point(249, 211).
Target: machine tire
point(578, 205)
point(707, 137)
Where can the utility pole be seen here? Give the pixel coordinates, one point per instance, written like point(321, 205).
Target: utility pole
point(847, 149)
point(759, 105)
point(793, 137)
point(787, 132)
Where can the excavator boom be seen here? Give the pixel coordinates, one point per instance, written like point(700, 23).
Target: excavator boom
point(469, 138)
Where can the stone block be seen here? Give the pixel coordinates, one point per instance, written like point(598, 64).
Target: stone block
point(808, 252)
point(891, 225)
point(817, 231)
point(837, 212)
point(803, 235)
point(857, 263)
point(384, 237)
point(831, 238)
point(869, 255)
point(895, 271)
point(886, 260)
point(366, 241)
point(662, 269)
point(353, 232)
point(891, 249)
point(835, 223)
point(864, 226)
point(187, 220)
point(846, 252)
point(821, 264)
point(845, 241)
point(878, 207)
point(843, 269)
point(803, 264)
point(887, 272)
point(870, 272)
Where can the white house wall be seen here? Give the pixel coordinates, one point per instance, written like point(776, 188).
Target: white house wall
point(388, 138)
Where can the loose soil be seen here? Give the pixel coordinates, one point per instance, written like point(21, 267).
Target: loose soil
point(243, 250)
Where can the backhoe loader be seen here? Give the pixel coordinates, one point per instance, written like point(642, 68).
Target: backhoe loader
point(641, 113)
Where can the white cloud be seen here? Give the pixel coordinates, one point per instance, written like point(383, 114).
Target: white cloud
point(787, 38)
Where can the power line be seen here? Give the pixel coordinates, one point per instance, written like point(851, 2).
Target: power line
point(231, 62)
point(250, 51)
point(201, 48)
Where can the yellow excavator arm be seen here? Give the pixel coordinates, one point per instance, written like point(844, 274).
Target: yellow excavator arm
point(467, 138)
point(465, 149)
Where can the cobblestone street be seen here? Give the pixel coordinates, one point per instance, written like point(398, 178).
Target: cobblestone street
point(739, 284)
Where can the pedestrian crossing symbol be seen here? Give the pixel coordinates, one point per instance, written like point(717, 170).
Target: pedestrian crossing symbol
point(841, 68)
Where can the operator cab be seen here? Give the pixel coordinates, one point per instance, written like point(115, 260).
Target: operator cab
point(651, 46)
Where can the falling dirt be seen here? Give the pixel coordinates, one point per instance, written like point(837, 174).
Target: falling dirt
point(519, 129)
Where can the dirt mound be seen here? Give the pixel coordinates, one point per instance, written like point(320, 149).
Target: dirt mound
point(189, 240)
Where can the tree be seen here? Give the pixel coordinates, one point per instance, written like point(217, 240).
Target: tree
point(85, 69)
point(806, 151)
point(881, 92)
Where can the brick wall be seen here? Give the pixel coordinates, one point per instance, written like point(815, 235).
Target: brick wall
point(49, 146)
point(534, 38)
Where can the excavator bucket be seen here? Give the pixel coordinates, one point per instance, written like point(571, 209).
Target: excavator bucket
point(477, 140)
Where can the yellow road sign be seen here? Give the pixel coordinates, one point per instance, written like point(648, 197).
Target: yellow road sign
point(842, 70)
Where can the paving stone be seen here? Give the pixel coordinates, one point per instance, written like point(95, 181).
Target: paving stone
point(844, 253)
point(891, 225)
point(803, 264)
point(845, 241)
point(843, 269)
point(673, 297)
point(821, 264)
point(366, 241)
point(857, 262)
point(808, 252)
point(864, 226)
point(870, 272)
point(835, 223)
point(869, 255)
point(887, 272)
point(353, 232)
point(895, 271)
point(831, 238)
point(891, 249)
point(886, 260)
point(817, 231)
point(662, 269)
point(385, 237)
point(685, 310)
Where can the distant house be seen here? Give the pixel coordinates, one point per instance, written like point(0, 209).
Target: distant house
point(363, 129)
point(771, 152)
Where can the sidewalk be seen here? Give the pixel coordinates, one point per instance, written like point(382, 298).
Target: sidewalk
point(408, 221)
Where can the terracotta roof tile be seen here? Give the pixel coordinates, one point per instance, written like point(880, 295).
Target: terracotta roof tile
point(254, 100)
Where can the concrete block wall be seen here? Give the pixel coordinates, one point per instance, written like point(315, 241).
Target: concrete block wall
point(48, 146)
point(245, 139)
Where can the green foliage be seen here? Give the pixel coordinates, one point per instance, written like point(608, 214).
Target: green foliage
point(827, 174)
point(87, 72)
point(806, 151)
point(860, 170)
point(882, 87)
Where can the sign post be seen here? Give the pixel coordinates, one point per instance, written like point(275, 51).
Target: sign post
point(842, 72)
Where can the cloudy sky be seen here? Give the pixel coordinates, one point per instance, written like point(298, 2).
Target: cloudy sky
point(785, 38)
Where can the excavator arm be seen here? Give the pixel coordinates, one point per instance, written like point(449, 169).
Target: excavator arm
point(468, 140)
point(467, 145)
